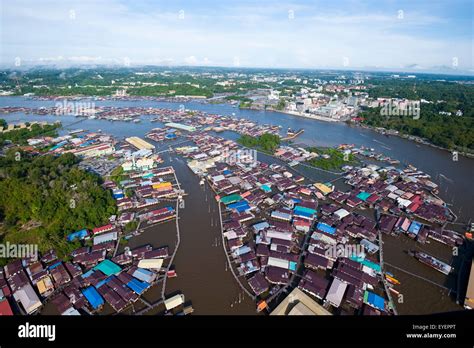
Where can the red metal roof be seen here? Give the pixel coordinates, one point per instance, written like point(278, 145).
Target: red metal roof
point(102, 229)
point(5, 308)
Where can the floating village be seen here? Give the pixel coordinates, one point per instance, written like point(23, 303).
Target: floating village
point(294, 246)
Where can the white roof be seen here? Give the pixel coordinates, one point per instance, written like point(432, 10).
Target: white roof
point(391, 188)
point(324, 238)
point(341, 213)
point(71, 311)
point(234, 180)
point(150, 263)
point(403, 202)
point(28, 298)
point(392, 196)
point(230, 235)
point(279, 235)
point(273, 261)
point(218, 178)
point(105, 237)
point(174, 301)
point(336, 292)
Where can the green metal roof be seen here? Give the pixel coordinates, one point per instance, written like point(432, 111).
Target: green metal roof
point(108, 267)
point(375, 266)
point(231, 198)
point(363, 195)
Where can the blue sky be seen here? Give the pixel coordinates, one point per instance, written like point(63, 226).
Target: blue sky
point(296, 34)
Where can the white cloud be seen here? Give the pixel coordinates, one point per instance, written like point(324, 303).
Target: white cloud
point(191, 60)
point(103, 32)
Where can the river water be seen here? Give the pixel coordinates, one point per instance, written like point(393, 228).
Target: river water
point(200, 264)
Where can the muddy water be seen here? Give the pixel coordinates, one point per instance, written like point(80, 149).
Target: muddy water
point(200, 264)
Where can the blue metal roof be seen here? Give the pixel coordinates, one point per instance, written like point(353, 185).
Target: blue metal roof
point(239, 206)
point(303, 214)
point(88, 273)
point(375, 300)
point(78, 234)
point(137, 286)
point(243, 250)
point(102, 282)
point(306, 210)
point(93, 297)
point(260, 226)
point(292, 266)
point(414, 227)
point(54, 266)
point(326, 228)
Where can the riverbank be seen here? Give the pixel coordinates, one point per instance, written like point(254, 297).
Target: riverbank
point(383, 131)
point(392, 132)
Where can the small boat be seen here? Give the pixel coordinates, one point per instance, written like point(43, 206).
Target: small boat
point(392, 280)
point(171, 274)
point(394, 291)
point(261, 306)
point(290, 132)
point(432, 262)
point(201, 182)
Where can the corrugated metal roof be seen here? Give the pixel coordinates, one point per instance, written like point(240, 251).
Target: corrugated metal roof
point(93, 297)
point(273, 261)
point(108, 267)
point(174, 301)
point(336, 292)
point(137, 286)
point(150, 263)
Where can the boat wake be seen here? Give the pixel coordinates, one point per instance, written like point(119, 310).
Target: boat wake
point(446, 178)
point(377, 141)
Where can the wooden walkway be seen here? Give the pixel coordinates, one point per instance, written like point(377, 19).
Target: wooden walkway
point(244, 289)
point(178, 241)
point(385, 283)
